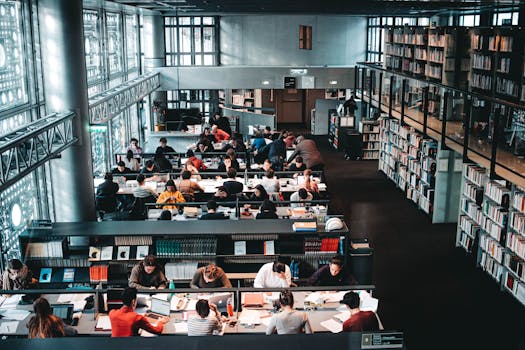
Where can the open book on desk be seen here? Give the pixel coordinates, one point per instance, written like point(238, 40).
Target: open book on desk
point(103, 323)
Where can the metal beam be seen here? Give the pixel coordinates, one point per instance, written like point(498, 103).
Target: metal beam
point(110, 103)
point(30, 146)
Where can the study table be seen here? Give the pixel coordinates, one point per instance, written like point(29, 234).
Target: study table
point(320, 306)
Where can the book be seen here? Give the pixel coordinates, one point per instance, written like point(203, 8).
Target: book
point(103, 323)
point(106, 253)
point(253, 299)
point(142, 251)
point(269, 248)
point(69, 274)
point(94, 254)
point(123, 252)
point(310, 226)
point(45, 275)
point(239, 248)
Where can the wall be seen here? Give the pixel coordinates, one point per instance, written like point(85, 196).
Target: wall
point(273, 40)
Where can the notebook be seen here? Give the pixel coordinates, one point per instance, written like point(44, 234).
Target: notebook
point(253, 299)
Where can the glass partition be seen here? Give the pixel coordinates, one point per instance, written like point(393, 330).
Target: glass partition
point(385, 89)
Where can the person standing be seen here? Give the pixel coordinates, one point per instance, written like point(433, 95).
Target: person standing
point(148, 274)
point(222, 122)
point(288, 320)
point(359, 321)
point(125, 322)
point(307, 149)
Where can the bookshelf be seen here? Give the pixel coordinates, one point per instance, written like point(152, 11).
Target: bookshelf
point(514, 260)
point(98, 248)
point(371, 143)
point(338, 128)
point(411, 161)
point(248, 98)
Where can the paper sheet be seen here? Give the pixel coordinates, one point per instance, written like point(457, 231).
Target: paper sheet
point(103, 323)
point(332, 325)
point(249, 317)
point(343, 316)
point(8, 327)
point(14, 314)
point(12, 301)
point(181, 327)
point(191, 305)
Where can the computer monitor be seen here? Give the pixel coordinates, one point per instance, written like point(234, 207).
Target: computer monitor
point(64, 311)
point(160, 306)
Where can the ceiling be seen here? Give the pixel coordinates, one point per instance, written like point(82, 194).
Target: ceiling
point(342, 7)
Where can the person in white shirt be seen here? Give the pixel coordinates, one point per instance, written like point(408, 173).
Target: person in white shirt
point(273, 275)
point(270, 182)
point(301, 195)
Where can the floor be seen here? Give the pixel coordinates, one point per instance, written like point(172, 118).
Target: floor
point(427, 288)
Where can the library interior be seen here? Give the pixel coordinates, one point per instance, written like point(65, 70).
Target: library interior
point(353, 171)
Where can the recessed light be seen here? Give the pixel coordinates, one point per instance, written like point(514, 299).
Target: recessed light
point(332, 82)
point(265, 82)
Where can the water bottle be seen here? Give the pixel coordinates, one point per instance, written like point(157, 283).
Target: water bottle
point(341, 245)
point(171, 286)
point(229, 307)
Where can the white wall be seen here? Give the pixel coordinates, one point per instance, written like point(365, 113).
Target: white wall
point(273, 40)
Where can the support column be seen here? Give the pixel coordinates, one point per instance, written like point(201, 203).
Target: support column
point(154, 52)
point(65, 82)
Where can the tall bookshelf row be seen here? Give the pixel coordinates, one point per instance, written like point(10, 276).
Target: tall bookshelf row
point(438, 54)
point(491, 228)
point(369, 129)
point(409, 160)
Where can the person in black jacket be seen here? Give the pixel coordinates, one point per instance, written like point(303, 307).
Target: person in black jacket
point(233, 186)
point(333, 274)
point(236, 144)
point(212, 212)
point(276, 151)
point(106, 196)
point(222, 123)
point(267, 210)
point(122, 170)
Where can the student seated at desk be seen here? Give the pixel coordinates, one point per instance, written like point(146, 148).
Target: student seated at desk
point(164, 148)
point(225, 165)
point(131, 162)
point(258, 141)
point(125, 322)
point(222, 195)
point(309, 184)
point(233, 186)
point(235, 144)
point(210, 276)
point(162, 163)
point(149, 170)
point(165, 215)
point(359, 321)
point(106, 196)
point(203, 323)
point(170, 195)
point(298, 165)
point(222, 122)
point(302, 195)
point(270, 182)
point(273, 275)
point(212, 212)
point(46, 325)
point(134, 147)
point(188, 166)
point(267, 165)
point(220, 135)
point(148, 274)
point(17, 276)
point(259, 194)
point(333, 274)
point(197, 163)
point(122, 170)
point(188, 187)
point(267, 210)
point(141, 191)
point(288, 320)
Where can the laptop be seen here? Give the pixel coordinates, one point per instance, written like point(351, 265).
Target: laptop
point(159, 308)
point(221, 300)
point(63, 311)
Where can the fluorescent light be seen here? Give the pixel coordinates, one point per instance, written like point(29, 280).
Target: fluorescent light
point(265, 82)
point(332, 82)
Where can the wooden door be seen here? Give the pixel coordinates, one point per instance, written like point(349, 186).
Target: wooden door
point(289, 105)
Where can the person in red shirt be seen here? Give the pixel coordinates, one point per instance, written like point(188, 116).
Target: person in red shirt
point(197, 163)
point(220, 135)
point(359, 321)
point(125, 322)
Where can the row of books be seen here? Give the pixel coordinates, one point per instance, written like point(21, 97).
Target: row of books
point(421, 54)
point(516, 265)
point(516, 287)
point(518, 201)
point(498, 193)
point(183, 270)
point(472, 192)
point(466, 241)
point(435, 55)
point(506, 87)
point(98, 273)
point(495, 213)
point(517, 222)
point(491, 266)
point(481, 81)
point(436, 39)
point(468, 226)
point(133, 240)
point(325, 245)
point(504, 65)
point(483, 62)
point(476, 42)
point(472, 210)
point(516, 243)
point(433, 71)
point(50, 249)
point(476, 175)
point(492, 247)
point(186, 247)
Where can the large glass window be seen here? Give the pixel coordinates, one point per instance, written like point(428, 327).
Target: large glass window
point(505, 18)
point(93, 41)
point(114, 42)
point(375, 39)
point(469, 20)
point(190, 99)
point(131, 42)
point(13, 79)
point(191, 41)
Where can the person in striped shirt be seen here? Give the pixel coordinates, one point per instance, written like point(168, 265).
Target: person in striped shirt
point(203, 323)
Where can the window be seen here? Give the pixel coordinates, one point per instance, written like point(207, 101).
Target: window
point(505, 18)
point(469, 20)
point(374, 39)
point(190, 99)
point(423, 21)
point(93, 51)
point(114, 42)
point(305, 37)
point(13, 77)
point(191, 41)
point(131, 42)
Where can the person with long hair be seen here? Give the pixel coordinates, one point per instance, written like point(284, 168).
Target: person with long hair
point(309, 184)
point(289, 321)
point(131, 162)
point(170, 196)
point(44, 324)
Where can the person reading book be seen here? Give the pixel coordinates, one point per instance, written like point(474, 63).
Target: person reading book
point(273, 275)
point(359, 321)
point(288, 320)
point(210, 276)
point(148, 274)
point(333, 274)
point(125, 322)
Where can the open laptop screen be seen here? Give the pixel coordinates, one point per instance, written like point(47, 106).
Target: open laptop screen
point(161, 307)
